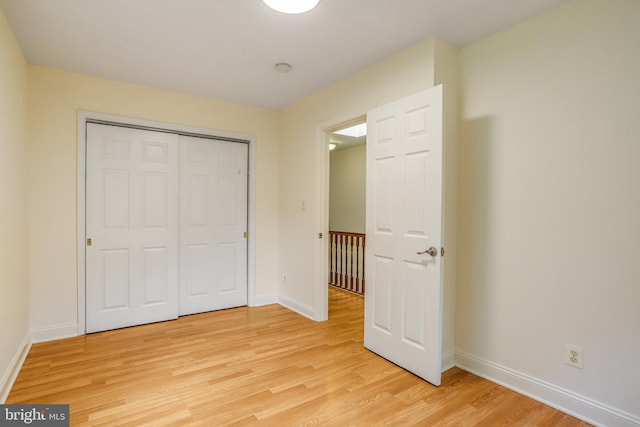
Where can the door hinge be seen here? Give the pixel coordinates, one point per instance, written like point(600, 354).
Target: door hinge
point(442, 251)
point(244, 235)
point(319, 235)
point(89, 242)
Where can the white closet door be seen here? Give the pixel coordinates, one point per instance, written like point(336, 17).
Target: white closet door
point(131, 227)
point(213, 222)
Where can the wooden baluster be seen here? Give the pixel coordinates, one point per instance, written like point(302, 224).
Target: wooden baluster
point(344, 261)
point(340, 275)
point(358, 268)
point(347, 276)
point(362, 265)
point(331, 237)
point(356, 240)
point(345, 284)
point(350, 263)
point(337, 282)
point(336, 277)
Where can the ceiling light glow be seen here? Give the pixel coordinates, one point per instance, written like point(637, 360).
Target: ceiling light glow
point(292, 6)
point(355, 131)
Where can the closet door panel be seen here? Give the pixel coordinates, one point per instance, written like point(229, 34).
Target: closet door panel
point(131, 227)
point(213, 222)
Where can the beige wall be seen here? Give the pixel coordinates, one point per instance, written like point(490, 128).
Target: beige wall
point(55, 98)
point(347, 189)
point(549, 199)
point(14, 266)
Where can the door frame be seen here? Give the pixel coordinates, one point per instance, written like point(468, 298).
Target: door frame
point(321, 275)
point(88, 116)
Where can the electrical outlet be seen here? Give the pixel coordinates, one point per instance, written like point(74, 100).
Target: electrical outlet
point(574, 356)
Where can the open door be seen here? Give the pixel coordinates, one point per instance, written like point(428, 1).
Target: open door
point(403, 302)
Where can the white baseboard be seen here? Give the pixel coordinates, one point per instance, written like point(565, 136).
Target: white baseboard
point(448, 360)
point(14, 367)
point(265, 300)
point(564, 400)
point(293, 305)
point(55, 332)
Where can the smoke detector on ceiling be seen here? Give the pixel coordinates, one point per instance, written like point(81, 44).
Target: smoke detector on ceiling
point(282, 67)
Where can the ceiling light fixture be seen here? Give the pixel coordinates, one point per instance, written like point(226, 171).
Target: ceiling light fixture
point(332, 146)
point(291, 6)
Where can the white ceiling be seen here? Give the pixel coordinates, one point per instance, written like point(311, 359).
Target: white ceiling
point(226, 49)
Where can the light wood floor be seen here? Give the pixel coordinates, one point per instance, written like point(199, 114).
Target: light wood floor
point(258, 366)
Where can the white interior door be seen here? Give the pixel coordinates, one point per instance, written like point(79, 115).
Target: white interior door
point(131, 227)
point(213, 223)
point(403, 302)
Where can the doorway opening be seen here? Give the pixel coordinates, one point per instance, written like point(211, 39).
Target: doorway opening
point(345, 207)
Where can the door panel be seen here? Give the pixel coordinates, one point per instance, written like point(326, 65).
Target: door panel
point(382, 310)
point(412, 306)
point(403, 307)
point(213, 249)
point(196, 269)
point(116, 198)
point(155, 200)
point(155, 275)
point(131, 219)
point(115, 278)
